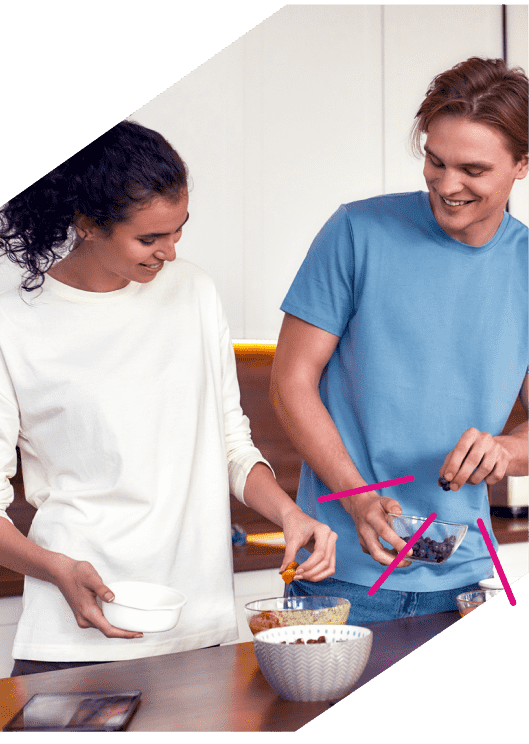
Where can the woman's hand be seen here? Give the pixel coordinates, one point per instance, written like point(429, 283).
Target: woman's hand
point(369, 512)
point(80, 584)
point(299, 529)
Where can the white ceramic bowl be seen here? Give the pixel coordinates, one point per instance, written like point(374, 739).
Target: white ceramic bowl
point(317, 671)
point(496, 582)
point(143, 607)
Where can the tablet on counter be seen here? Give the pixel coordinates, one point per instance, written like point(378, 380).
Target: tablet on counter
point(76, 711)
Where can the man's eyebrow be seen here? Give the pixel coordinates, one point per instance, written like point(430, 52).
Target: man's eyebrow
point(483, 166)
point(161, 235)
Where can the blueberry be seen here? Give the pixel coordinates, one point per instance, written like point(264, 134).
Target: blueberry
point(431, 551)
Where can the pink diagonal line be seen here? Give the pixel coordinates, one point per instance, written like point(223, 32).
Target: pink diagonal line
point(496, 561)
point(394, 563)
point(365, 489)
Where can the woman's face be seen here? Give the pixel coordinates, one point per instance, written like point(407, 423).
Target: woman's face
point(469, 172)
point(135, 250)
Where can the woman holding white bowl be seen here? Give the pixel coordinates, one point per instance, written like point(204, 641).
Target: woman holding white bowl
point(118, 384)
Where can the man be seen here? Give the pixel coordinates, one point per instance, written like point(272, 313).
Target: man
point(404, 346)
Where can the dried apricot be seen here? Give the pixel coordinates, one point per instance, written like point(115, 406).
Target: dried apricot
point(289, 572)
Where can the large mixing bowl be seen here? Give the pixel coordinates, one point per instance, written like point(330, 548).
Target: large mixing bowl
point(311, 672)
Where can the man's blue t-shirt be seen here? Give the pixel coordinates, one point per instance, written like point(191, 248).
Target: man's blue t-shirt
point(433, 341)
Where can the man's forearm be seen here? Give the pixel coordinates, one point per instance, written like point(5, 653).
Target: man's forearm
point(311, 429)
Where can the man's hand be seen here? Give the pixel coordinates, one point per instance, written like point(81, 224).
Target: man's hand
point(476, 457)
point(369, 512)
point(80, 584)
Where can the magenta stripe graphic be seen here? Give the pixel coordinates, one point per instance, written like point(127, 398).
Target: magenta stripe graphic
point(394, 563)
point(364, 489)
point(496, 561)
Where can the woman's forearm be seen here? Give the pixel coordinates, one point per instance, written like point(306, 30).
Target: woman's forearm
point(264, 494)
point(22, 555)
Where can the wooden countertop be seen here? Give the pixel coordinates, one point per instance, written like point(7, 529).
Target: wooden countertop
point(216, 689)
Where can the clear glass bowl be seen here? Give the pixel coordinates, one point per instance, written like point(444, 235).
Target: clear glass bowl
point(436, 544)
point(280, 612)
point(468, 601)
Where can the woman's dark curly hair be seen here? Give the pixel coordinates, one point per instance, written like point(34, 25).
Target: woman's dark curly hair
point(106, 181)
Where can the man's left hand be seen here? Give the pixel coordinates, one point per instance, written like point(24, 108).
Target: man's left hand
point(476, 457)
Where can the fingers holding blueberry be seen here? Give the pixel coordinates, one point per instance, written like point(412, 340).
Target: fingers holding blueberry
point(478, 456)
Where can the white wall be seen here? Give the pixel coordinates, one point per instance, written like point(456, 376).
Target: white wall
point(310, 109)
point(517, 54)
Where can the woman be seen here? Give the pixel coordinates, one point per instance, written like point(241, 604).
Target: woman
point(404, 347)
point(118, 383)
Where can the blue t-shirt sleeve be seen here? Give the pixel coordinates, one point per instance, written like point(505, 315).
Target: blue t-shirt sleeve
point(322, 292)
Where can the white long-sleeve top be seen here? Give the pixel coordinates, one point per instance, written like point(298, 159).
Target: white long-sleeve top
point(125, 407)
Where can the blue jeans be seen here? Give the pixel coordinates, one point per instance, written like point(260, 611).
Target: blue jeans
point(385, 604)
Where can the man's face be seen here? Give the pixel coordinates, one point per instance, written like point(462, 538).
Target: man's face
point(469, 172)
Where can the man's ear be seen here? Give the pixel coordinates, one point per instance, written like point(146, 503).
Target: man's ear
point(524, 167)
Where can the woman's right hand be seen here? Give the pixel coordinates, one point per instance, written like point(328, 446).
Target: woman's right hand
point(80, 585)
point(369, 512)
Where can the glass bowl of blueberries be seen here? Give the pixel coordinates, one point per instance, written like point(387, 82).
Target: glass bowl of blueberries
point(436, 544)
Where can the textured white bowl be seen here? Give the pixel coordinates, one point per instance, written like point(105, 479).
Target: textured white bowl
point(143, 607)
point(314, 672)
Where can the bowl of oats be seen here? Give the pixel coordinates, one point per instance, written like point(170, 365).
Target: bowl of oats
point(282, 612)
